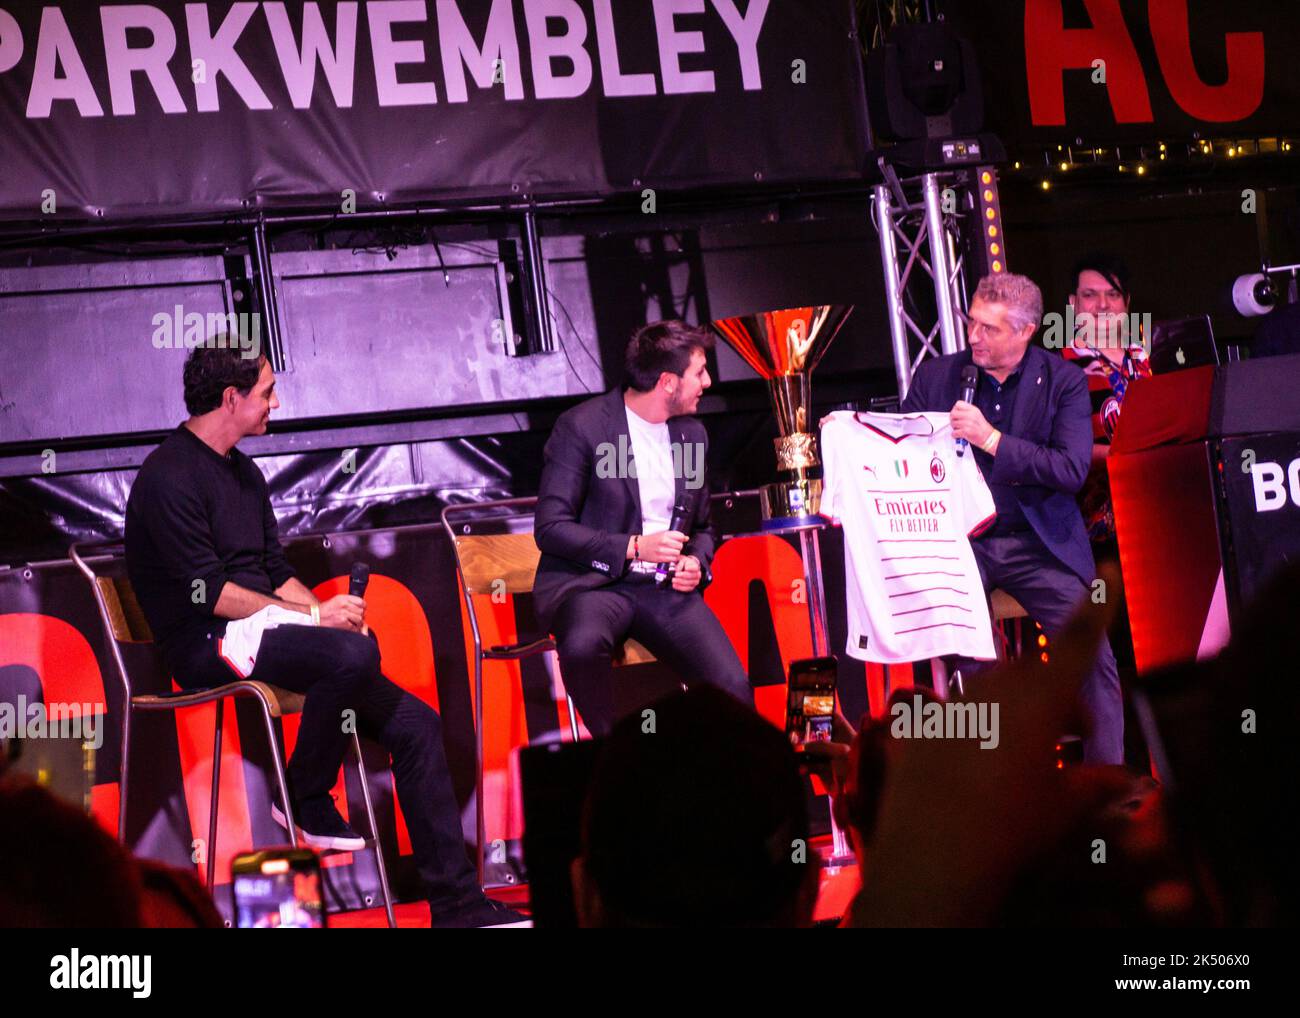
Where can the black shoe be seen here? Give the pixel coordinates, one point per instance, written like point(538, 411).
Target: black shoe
point(477, 914)
point(320, 825)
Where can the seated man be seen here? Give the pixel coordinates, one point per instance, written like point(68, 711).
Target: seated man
point(616, 467)
point(202, 551)
point(1030, 431)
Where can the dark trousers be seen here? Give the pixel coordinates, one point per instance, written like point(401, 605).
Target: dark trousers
point(677, 628)
point(1021, 565)
point(338, 671)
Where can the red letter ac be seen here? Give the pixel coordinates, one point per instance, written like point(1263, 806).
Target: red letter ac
point(1238, 97)
point(1051, 49)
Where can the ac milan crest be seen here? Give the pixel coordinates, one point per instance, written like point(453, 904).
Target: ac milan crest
point(936, 470)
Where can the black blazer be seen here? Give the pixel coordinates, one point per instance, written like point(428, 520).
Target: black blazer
point(1046, 459)
point(587, 512)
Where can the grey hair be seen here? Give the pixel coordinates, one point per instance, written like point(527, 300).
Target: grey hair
point(1020, 294)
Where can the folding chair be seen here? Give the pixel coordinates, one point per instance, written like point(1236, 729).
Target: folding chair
point(124, 623)
point(496, 554)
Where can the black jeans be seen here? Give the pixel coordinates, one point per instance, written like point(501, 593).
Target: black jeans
point(677, 628)
point(1021, 565)
point(339, 670)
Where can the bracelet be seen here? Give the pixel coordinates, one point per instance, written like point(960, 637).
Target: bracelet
point(991, 442)
point(315, 614)
point(636, 547)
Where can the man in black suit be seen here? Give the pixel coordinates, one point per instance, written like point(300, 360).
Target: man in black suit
point(1030, 431)
point(616, 466)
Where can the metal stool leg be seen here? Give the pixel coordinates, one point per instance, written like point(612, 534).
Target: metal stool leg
point(939, 677)
point(573, 717)
point(122, 769)
point(210, 850)
point(380, 865)
point(480, 815)
point(277, 760)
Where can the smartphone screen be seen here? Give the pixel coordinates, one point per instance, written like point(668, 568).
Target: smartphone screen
point(279, 889)
point(810, 704)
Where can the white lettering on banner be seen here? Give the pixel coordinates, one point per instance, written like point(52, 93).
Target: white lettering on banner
point(298, 64)
point(55, 47)
point(141, 39)
point(745, 31)
point(123, 60)
point(615, 81)
point(548, 48)
point(459, 51)
point(389, 53)
point(1270, 494)
point(673, 43)
point(218, 52)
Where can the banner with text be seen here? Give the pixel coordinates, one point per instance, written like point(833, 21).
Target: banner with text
point(110, 109)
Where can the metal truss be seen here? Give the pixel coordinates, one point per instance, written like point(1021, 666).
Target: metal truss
point(919, 223)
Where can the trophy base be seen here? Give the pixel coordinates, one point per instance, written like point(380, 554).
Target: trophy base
point(791, 503)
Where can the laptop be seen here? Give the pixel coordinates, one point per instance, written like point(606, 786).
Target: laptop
point(1183, 343)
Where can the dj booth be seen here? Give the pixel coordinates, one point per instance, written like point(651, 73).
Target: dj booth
point(1205, 480)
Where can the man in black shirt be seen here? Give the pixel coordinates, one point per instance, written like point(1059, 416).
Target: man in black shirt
point(202, 551)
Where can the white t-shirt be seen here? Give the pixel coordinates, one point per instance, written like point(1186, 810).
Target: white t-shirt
point(653, 456)
point(908, 504)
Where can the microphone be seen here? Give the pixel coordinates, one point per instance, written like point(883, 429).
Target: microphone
point(970, 378)
point(682, 513)
point(359, 579)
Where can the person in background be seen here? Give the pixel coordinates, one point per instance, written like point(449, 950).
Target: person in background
point(1112, 354)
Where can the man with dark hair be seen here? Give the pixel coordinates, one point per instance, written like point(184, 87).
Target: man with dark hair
point(1099, 284)
point(1030, 431)
point(205, 561)
point(616, 466)
point(702, 823)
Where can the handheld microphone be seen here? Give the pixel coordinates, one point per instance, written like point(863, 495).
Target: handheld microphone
point(682, 513)
point(970, 379)
point(359, 579)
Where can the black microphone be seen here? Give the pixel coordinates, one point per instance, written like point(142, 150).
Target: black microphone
point(359, 579)
point(682, 513)
point(970, 378)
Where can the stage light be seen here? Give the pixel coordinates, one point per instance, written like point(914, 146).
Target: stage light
point(1231, 152)
point(1162, 146)
point(989, 201)
point(1016, 166)
point(1042, 640)
point(1045, 184)
point(1121, 167)
point(1064, 167)
point(1141, 170)
point(1043, 657)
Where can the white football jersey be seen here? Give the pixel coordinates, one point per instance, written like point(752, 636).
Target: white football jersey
point(908, 505)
